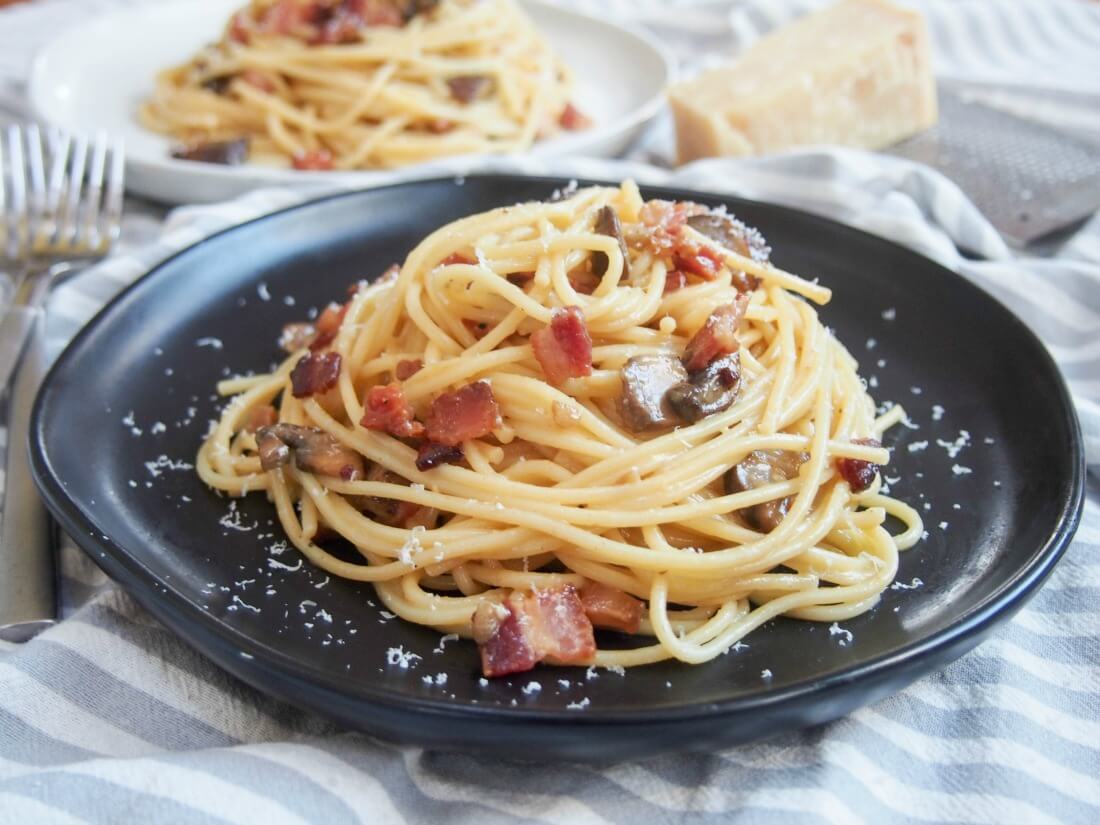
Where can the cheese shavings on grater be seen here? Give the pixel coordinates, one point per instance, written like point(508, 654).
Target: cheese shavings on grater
point(1028, 178)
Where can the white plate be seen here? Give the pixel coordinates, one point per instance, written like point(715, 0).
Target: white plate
point(94, 76)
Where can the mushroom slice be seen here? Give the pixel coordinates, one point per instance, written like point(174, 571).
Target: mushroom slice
point(758, 469)
point(314, 450)
point(646, 381)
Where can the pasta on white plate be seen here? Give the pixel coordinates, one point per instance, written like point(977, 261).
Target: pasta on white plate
point(365, 84)
point(591, 412)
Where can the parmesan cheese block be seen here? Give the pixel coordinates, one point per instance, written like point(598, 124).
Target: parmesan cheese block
point(857, 73)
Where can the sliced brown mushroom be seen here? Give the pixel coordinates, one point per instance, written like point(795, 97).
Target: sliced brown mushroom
point(390, 511)
point(736, 236)
point(467, 88)
point(608, 223)
point(708, 391)
point(224, 152)
point(758, 469)
point(646, 381)
point(314, 450)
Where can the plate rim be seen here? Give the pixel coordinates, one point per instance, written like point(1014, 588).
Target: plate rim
point(971, 624)
point(38, 93)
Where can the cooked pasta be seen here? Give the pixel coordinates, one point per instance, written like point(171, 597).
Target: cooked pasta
point(595, 410)
point(364, 84)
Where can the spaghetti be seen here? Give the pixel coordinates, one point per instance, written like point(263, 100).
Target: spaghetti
point(364, 84)
point(591, 411)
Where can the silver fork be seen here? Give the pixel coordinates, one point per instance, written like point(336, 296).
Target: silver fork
point(60, 210)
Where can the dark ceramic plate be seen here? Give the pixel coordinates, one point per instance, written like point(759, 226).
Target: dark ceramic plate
point(132, 395)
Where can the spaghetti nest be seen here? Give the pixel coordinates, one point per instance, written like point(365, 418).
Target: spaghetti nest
point(365, 84)
point(493, 430)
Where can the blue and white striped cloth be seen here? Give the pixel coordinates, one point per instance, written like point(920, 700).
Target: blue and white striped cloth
point(110, 718)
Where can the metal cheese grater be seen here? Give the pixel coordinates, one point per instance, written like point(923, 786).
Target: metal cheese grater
point(1029, 177)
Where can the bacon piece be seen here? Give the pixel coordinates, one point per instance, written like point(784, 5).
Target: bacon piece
point(386, 408)
point(666, 221)
point(583, 281)
point(407, 368)
point(564, 349)
point(572, 118)
point(258, 79)
point(698, 260)
point(520, 279)
point(289, 17)
point(611, 608)
point(529, 627)
point(431, 455)
point(858, 473)
point(439, 125)
point(263, 416)
point(718, 335)
point(736, 236)
point(327, 325)
point(463, 414)
point(457, 258)
point(316, 373)
point(316, 160)
point(479, 329)
point(315, 451)
point(675, 280)
point(466, 88)
point(240, 27)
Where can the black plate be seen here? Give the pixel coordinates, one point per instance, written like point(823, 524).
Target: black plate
point(324, 644)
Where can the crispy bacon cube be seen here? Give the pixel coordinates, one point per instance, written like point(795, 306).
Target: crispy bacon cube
point(572, 118)
point(316, 160)
point(327, 325)
point(564, 349)
point(701, 261)
point(858, 473)
point(407, 368)
point(463, 414)
point(533, 626)
point(611, 608)
point(386, 408)
point(318, 372)
point(718, 336)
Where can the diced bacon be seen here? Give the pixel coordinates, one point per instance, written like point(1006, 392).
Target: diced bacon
point(314, 374)
point(439, 125)
point(327, 325)
point(529, 627)
point(431, 455)
point(288, 17)
point(316, 160)
point(479, 329)
point(457, 258)
point(675, 280)
point(263, 416)
point(258, 79)
point(520, 279)
point(564, 349)
point(611, 608)
point(718, 335)
point(386, 408)
point(698, 260)
point(463, 414)
point(503, 640)
point(572, 118)
point(583, 281)
point(407, 368)
point(858, 473)
point(666, 221)
point(240, 29)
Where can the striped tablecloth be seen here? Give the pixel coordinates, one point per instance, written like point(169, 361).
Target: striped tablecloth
point(111, 718)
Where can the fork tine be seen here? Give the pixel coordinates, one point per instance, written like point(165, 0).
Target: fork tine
point(112, 218)
point(59, 156)
point(36, 174)
point(75, 185)
point(88, 236)
point(17, 214)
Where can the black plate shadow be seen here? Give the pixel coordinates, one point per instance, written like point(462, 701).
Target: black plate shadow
point(132, 396)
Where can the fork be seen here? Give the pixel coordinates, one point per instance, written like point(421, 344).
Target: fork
point(60, 210)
